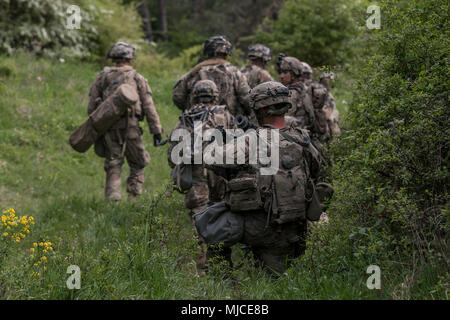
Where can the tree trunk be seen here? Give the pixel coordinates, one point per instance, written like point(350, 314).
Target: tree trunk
point(163, 19)
point(144, 12)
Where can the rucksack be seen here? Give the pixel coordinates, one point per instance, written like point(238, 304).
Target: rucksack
point(282, 195)
point(210, 117)
point(221, 77)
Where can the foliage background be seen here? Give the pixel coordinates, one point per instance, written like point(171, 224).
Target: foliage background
point(390, 165)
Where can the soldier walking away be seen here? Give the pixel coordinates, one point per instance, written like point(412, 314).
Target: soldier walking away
point(259, 55)
point(306, 103)
point(231, 83)
point(124, 138)
point(307, 73)
point(275, 207)
point(331, 112)
point(200, 185)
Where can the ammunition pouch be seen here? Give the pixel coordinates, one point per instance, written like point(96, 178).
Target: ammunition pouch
point(289, 192)
point(244, 194)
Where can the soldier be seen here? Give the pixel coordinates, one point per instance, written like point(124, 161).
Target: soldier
point(231, 83)
point(290, 71)
point(331, 112)
point(124, 138)
point(259, 55)
point(274, 206)
point(204, 184)
point(307, 73)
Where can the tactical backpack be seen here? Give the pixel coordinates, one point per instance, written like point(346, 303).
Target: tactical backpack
point(210, 117)
point(285, 196)
point(221, 77)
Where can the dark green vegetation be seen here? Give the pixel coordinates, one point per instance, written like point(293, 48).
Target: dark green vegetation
point(390, 172)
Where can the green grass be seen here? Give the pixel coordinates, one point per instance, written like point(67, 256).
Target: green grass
point(140, 250)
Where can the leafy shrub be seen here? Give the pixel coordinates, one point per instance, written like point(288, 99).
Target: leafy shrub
point(318, 32)
point(114, 22)
point(40, 26)
point(391, 168)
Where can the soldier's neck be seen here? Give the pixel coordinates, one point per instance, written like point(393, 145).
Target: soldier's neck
point(258, 63)
point(123, 64)
point(275, 121)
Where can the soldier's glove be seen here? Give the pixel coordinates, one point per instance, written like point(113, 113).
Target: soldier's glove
point(157, 140)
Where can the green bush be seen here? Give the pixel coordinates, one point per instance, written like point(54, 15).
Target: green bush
point(40, 26)
point(114, 22)
point(391, 166)
point(319, 32)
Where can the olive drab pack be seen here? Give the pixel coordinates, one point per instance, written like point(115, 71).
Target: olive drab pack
point(217, 224)
point(108, 113)
point(283, 195)
point(221, 77)
point(210, 117)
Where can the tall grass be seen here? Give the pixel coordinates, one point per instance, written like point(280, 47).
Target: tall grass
point(141, 250)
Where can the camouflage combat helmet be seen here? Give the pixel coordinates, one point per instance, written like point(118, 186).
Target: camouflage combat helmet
point(205, 91)
point(290, 64)
point(270, 94)
point(331, 75)
point(121, 50)
point(259, 51)
point(217, 44)
point(307, 71)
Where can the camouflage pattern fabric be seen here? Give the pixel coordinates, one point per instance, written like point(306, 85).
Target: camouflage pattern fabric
point(255, 75)
point(271, 244)
point(231, 83)
point(124, 138)
point(206, 186)
point(332, 114)
point(302, 106)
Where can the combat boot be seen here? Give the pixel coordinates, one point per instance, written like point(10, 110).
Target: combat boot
point(112, 186)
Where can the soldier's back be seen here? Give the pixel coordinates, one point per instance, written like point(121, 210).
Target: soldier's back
point(255, 75)
point(231, 83)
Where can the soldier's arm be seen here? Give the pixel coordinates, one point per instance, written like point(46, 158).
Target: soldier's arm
point(148, 107)
point(95, 95)
point(180, 93)
point(264, 76)
point(242, 91)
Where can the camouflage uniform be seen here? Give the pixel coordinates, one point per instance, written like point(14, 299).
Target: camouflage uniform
point(255, 74)
point(307, 73)
point(301, 95)
point(231, 83)
point(272, 236)
point(308, 99)
point(206, 186)
point(331, 112)
point(124, 138)
point(322, 130)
